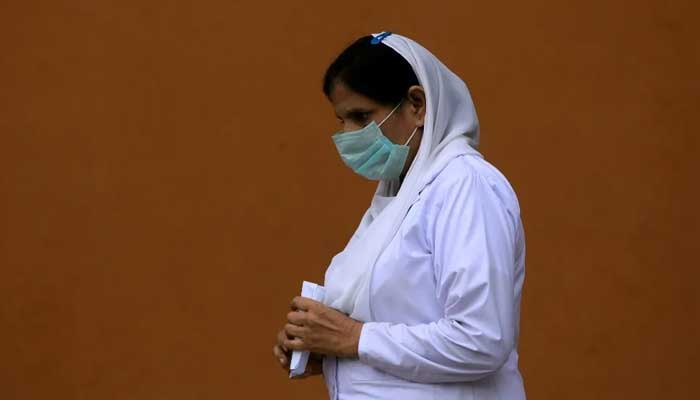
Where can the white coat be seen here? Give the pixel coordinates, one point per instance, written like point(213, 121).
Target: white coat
point(445, 296)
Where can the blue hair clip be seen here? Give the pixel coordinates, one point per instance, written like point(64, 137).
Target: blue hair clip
point(380, 37)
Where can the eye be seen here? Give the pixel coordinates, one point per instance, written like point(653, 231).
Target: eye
point(359, 116)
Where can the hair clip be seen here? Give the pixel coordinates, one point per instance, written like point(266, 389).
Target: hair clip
point(380, 37)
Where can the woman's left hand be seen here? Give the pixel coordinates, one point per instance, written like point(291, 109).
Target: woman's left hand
point(321, 329)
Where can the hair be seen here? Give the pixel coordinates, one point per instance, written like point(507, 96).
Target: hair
point(373, 70)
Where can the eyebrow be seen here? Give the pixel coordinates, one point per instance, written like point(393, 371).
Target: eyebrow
point(357, 110)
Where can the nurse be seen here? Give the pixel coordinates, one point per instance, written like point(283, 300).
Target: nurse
point(424, 301)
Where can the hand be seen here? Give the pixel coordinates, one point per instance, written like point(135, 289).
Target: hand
point(284, 355)
point(320, 329)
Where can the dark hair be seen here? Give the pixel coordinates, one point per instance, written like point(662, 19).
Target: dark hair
point(373, 70)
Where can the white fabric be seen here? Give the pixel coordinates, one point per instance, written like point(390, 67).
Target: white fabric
point(446, 295)
point(451, 128)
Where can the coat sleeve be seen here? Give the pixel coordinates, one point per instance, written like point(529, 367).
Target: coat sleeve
point(473, 239)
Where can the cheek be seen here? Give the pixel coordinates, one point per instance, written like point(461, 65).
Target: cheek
point(350, 126)
point(397, 132)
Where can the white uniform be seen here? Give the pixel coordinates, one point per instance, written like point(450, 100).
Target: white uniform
point(435, 269)
point(445, 296)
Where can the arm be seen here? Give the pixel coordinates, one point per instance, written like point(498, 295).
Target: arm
point(473, 237)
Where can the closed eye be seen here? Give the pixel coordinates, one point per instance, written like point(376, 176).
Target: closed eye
point(359, 116)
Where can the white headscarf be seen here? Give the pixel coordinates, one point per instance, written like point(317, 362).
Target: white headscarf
point(450, 129)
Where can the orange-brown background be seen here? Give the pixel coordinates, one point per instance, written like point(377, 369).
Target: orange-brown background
point(168, 179)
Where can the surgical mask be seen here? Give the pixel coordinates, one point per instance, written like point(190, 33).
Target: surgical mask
point(371, 154)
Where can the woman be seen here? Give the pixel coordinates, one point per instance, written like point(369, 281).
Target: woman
point(424, 301)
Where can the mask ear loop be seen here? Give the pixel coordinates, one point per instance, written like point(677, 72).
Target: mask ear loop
point(392, 111)
point(411, 137)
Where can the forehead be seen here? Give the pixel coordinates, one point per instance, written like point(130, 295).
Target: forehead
point(345, 99)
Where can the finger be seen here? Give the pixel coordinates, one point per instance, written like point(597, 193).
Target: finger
point(281, 336)
point(295, 331)
point(297, 317)
point(281, 357)
point(298, 304)
point(303, 303)
point(295, 344)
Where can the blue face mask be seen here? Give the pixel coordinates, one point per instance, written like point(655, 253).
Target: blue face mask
point(371, 154)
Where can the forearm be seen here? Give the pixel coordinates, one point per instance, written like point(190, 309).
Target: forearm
point(441, 351)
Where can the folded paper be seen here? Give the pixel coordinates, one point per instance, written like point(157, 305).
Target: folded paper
point(301, 358)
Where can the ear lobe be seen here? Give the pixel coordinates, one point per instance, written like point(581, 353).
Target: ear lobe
point(417, 111)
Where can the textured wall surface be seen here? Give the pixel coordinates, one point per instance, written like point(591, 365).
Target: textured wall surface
point(167, 179)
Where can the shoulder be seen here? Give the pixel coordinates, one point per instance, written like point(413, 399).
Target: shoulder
point(469, 176)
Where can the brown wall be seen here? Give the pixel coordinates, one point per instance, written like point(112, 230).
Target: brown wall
point(168, 179)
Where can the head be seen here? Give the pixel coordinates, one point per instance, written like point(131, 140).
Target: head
point(366, 82)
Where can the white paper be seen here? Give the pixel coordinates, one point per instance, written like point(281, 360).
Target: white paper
point(300, 358)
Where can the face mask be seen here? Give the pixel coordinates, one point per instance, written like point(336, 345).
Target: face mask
point(371, 154)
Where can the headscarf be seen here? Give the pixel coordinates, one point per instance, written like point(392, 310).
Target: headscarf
point(451, 128)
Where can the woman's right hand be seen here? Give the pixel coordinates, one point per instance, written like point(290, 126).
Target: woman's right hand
point(284, 356)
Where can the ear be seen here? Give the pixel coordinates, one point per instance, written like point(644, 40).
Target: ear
point(416, 97)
